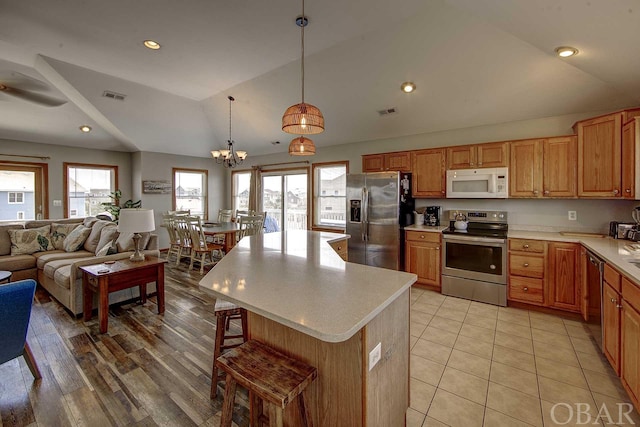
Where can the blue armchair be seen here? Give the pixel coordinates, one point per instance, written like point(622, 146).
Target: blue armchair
point(15, 310)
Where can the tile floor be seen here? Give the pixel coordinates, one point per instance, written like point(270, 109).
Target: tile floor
point(475, 364)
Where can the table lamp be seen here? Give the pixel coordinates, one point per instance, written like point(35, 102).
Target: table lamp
point(136, 221)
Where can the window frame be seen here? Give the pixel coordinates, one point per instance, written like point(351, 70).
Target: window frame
point(65, 178)
point(233, 187)
point(315, 196)
point(41, 185)
point(205, 190)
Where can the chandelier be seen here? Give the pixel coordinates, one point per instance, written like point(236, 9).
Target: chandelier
point(229, 158)
point(302, 118)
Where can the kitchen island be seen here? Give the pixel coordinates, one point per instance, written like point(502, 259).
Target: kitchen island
point(306, 302)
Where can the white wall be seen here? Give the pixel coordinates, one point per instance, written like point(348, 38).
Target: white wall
point(593, 215)
point(58, 155)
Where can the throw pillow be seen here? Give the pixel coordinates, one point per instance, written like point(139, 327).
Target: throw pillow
point(125, 242)
point(76, 238)
point(91, 244)
point(30, 240)
point(107, 249)
point(88, 221)
point(59, 232)
point(107, 235)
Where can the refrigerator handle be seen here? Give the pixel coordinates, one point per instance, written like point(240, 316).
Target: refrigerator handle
point(365, 214)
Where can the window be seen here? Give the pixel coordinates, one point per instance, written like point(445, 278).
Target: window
point(87, 187)
point(20, 215)
point(16, 198)
point(330, 194)
point(23, 184)
point(240, 183)
point(190, 191)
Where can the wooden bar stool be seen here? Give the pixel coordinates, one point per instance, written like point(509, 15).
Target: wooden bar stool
point(225, 311)
point(270, 377)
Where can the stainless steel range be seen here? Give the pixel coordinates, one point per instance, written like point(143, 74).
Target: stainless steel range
point(474, 261)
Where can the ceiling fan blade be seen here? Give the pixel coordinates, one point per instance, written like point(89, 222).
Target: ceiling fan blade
point(16, 79)
point(43, 100)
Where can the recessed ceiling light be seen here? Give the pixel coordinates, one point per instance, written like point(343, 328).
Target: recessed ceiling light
point(85, 128)
point(152, 44)
point(408, 87)
point(566, 51)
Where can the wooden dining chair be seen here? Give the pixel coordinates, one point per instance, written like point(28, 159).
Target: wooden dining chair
point(224, 215)
point(250, 225)
point(200, 247)
point(168, 222)
point(181, 227)
point(240, 213)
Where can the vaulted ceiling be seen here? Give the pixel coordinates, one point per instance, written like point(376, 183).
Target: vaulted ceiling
point(474, 62)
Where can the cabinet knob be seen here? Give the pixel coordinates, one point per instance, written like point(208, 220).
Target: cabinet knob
point(535, 192)
point(339, 248)
point(437, 248)
point(616, 191)
point(525, 246)
point(442, 191)
point(526, 264)
point(525, 289)
point(628, 191)
point(546, 192)
point(422, 236)
point(613, 300)
point(471, 163)
point(619, 306)
point(479, 163)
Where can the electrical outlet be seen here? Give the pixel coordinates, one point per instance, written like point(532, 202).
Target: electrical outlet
point(573, 215)
point(375, 355)
point(57, 203)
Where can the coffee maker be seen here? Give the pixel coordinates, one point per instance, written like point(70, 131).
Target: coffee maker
point(432, 216)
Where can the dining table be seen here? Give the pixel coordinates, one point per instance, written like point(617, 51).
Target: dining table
point(229, 229)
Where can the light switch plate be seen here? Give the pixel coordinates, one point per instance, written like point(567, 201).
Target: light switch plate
point(375, 355)
point(57, 203)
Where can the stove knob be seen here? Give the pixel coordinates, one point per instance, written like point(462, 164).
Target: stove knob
point(501, 216)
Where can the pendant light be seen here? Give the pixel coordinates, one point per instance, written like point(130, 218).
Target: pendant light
point(302, 118)
point(229, 158)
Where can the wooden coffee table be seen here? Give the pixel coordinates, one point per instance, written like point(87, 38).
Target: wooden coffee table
point(122, 274)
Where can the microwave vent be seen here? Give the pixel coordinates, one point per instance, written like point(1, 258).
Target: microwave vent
point(387, 111)
point(114, 95)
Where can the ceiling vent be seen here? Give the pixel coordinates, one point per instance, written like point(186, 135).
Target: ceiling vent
point(387, 111)
point(114, 95)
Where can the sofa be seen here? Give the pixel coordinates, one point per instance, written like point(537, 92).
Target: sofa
point(51, 251)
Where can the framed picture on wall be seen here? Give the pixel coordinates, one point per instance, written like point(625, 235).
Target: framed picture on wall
point(156, 187)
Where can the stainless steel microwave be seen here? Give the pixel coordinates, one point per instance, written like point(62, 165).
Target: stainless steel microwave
point(487, 183)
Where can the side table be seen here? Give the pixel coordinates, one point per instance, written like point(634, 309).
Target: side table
point(122, 274)
point(5, 276)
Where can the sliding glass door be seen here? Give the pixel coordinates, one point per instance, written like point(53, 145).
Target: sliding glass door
point(284, 199)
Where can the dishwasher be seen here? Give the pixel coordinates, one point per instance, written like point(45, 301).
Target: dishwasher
point(595, 280)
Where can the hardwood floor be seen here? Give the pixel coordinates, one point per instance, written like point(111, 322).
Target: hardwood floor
point(147, 370)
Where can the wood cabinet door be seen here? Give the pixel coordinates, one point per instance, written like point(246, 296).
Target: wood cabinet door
point(599, 158)
point(429, 178)
point(493, 155)
point(611, 326)
point(462, 157)
point(525, 171)
point(373, 163)
point(630, 351)
point(629, 160)
point(398, 161)
point(423, 259)
point(564, 273)
point(559, 166)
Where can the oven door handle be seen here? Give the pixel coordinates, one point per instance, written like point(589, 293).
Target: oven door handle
point(469, 239)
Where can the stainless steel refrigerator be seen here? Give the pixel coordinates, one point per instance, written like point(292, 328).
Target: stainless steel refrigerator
point(378, 206)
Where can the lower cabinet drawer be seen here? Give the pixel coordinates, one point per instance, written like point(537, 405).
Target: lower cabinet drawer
point(526, 265)
point(526, 289)
point(422, 236)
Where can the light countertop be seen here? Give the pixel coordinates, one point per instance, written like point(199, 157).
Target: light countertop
point(428, 228)
point(295, 278)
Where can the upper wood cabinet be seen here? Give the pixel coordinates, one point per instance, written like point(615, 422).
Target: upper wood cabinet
point(398, 161)
point(543, 167)
point(491, 155)
point(428, 168)
point(630, 172)
point(599, 157)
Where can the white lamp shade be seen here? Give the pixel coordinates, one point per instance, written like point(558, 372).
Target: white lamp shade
point(136, 221)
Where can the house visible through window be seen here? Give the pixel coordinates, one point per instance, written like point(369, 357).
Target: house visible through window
point(190, 191)
point(330, 194)
point(87, 187)
point(240, 182)
point(16, 198)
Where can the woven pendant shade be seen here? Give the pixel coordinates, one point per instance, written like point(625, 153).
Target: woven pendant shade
point(302, 146)
point(303, 119)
